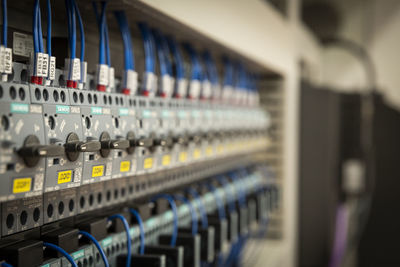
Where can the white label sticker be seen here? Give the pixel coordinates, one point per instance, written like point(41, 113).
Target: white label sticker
point(111, 77)
point(45, 65)
point(102, 74)
point(52, 68)
point(76, 69)
point(8, 60)
point(22, 44)
point(83, 71)
point(131, 77)
point(39, 64)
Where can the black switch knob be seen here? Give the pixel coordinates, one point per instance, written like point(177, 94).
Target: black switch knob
point(164, 141)
point(32, 151)
point(195, 138)
point(107, 144)
point(181, 139)
point(132, 142)
point(73, 146)
point(145, 142)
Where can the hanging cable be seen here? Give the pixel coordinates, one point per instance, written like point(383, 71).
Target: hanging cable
point(61, 251)
point(203, 212)
point(192, 211)
point(128, 236)
point(231, 199)
point(98, 246)
point(141, 229)
point(172, 204)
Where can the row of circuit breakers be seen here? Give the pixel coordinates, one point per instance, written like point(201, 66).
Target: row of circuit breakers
point(167, 170)
point(68, 152)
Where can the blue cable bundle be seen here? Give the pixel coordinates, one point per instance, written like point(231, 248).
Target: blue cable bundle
point(148, 47)
point(129, 61)
point(141, 229)
point(160, 52)
point(179, 67)
point(192, 211)
point(196, 196)
point(167, 53)
point(60, 250)
point(128, 236)
point(172, 204)
point(218, 200)
point(98, 246)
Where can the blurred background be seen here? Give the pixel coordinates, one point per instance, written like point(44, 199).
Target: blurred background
point(336, 102)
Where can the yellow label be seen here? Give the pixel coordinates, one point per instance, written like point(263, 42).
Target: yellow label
point(64, 177)
point(196, 153)
point(182, 156)
point(148, 163)
point(166, 160)
point(98, 171)
point(124, 166)
point(220, 149)
point(209, 151)
point(22, 185)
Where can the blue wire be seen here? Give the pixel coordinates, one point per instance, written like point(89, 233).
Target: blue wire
point(73, 35)
point(148, 50)
point(5, 22)
point(40, 33)
point(5, 264)
point(98, 246)
point(60, 250)
point(128, 236)
point(106, 40)
point(180, 70)
point(48, 44)
point(69, 23)
point(152, 44)
point(35, 32)
point(160, 52)
point(218, 200)
point(195, 195)
point(192, 212)
point(81, 30)
point(126, 38)
point(141, 229)
point(174, 211)
point(196, 67)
